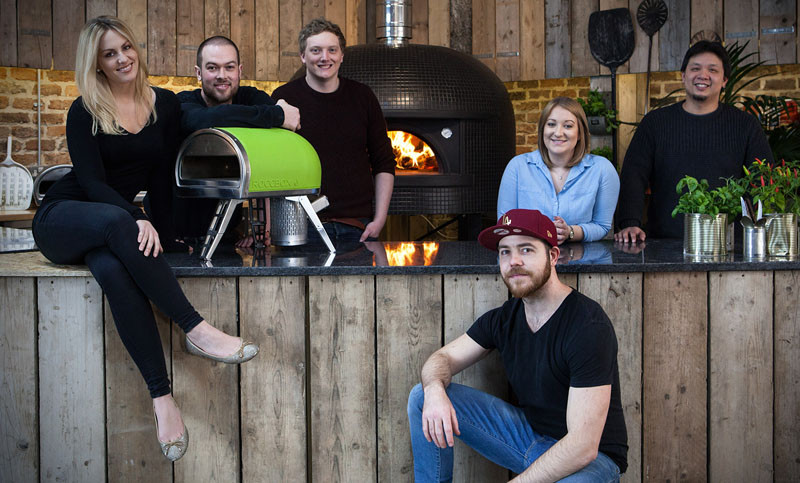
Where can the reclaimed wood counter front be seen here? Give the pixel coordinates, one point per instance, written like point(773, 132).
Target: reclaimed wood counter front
point(708, 356)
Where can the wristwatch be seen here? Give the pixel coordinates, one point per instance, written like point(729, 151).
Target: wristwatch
point(571, 233)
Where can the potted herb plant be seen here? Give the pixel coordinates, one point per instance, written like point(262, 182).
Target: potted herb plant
point(706, 231)
point(778, 190)
point(602, 120)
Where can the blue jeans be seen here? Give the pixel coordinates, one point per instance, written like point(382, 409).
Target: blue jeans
point(104, 237)
point(494, 428)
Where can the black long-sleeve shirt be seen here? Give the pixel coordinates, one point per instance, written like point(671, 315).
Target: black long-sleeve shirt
point(114, 168)
point(671, 143)
point(250, 107)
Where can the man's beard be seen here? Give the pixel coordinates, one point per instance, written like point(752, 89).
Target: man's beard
point(698, 97)
point(211, 94)
point(533, 283)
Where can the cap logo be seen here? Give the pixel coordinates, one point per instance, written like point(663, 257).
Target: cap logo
point(549, 235)
point(506, 220)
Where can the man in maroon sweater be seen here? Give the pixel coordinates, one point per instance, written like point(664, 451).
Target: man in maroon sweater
point(342, 119)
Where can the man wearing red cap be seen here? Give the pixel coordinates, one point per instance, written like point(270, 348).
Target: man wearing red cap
point(559, 351)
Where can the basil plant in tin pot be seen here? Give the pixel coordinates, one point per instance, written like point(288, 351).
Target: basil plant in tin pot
point(778, 189)
point(707, 213)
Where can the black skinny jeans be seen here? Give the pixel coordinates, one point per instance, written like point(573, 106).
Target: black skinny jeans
point(104, 237)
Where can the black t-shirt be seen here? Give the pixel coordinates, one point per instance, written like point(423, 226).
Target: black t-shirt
point(577, 347)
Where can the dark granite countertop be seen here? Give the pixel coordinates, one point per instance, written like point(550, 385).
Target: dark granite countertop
point(383, 258)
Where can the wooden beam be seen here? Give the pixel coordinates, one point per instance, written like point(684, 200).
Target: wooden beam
point(532, 39)
point(558, 58)
point(673, 38)
point(787, 369)
point(190, 31)
point(777, 32)
point(267, 37)
point(507, 40)
point(66, 29)
point(161, 34)
point(243, 25)
point(34, 34)
point(741, 25)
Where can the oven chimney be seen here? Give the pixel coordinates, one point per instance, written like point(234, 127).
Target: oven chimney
point(394, 22)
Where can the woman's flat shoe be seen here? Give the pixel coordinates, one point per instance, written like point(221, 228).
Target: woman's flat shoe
point(246, 351)
point(174, 450)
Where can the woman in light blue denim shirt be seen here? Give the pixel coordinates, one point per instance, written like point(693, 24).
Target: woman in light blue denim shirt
point(577, 190)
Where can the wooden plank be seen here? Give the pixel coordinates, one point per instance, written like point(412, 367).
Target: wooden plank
point(71, 17)
point(273, 384)
point(531, 39)
point(72, 440)
point(483, 29)
point(190, 25)
point(583, 64)
point(778, 16)
point(19, 420)
point(740, 379)
point(268, 40)
point(439, 22)
point(674, 334)
point(135, 455)
point(620, 295)
point(8, 32)
point(409, 326)
point(741, 25)
point(419, 21)
point(342, 378)
point(355, 30)
point(243, 25)
point(638, 60)
point(313, 9)
point(134, 13)
point(95, 8)
point(608, 5)
point(507, 39)
point(336, 12)
point(627, 98)
point(787, 376)
point(673, 38)
point(34, 34)
point(217, 17)
point(467, 297)
point(558, 58)
point(570, 279)
point(207, 392)
point(290, 25)
point(706, 16)
point(161, 36)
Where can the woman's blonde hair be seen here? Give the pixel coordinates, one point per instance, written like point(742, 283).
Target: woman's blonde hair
point(93, 84)
point(582, 146)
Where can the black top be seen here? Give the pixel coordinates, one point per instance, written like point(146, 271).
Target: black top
point(114, 168)
point(250, 107)
point(671, 143)
point(576, 347)
point(348, 131)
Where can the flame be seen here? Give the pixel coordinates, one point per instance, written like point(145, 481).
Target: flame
point(406, 253)
point(410, 152)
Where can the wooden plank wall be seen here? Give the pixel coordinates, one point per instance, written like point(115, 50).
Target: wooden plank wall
point(706, 360)
point(518, 39)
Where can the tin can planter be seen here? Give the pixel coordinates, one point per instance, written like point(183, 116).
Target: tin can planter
point(597, 125)
point(705, 235)
point(782, 235)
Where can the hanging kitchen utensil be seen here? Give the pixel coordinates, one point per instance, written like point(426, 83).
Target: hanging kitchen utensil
point(16, 184)
point(651, 16)
point(611, 42)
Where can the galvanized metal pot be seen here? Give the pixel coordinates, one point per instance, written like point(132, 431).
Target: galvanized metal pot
point(782, 235)
point(705, 235)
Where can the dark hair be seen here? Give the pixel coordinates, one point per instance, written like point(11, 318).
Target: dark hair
point(715, 48)
point(317, 26)
point(216, 40)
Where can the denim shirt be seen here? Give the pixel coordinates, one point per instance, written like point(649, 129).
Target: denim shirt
point(588, 198)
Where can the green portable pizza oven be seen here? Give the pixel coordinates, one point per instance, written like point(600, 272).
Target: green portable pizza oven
point(235, 164)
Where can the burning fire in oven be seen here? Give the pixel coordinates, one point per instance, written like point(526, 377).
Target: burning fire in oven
point(412, 153)
point(404, 254)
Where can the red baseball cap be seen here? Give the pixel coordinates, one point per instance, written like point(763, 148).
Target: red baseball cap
point(520, 222)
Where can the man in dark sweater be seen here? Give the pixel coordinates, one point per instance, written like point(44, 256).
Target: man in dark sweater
point(342, 119)
point(699, 137)
point(559, 351)
point(221, 102)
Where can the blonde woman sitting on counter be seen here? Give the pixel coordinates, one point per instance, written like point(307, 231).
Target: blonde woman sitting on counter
point(577, 190)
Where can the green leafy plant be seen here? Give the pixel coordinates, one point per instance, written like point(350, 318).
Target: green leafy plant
point(696, 197)
point(595, 105)
point(604, 151)
point(776, 187)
